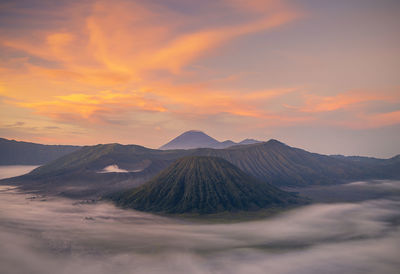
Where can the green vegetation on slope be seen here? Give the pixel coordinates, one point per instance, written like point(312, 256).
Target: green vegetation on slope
point(204, 185)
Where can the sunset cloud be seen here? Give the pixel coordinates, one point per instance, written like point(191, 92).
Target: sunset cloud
point(74, 107)
point(119, 45)
point(347, 99)
point(169, 66)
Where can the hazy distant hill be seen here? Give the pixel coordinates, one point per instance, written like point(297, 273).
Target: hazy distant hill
point(204, 185)
point(23, 153)
point(198, 139)
point(80, 173)
point(249, 142)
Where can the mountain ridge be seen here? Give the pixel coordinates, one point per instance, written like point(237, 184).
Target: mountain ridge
point(79, 173)
point(198, 139)
point(27, 153)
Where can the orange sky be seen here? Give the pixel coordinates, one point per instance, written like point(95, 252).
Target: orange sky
point(310, 73)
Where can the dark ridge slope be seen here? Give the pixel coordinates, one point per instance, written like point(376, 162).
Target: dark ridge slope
point(283, 165)
point(204, 185)
point(24, 153)
point(272, 162)
point(95, 158)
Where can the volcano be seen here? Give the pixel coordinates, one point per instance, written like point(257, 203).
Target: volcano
point(204, 185)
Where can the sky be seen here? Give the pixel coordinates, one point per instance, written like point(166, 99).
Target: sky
point(317, 74)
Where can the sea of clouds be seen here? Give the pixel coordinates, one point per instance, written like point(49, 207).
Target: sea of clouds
point(56, 235)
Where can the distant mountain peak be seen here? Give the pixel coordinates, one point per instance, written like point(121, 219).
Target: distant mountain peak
point(275, 142)
point(193, 131)
point(229, 142)
point(198, 139)
point(191, 139)
point(248, 141)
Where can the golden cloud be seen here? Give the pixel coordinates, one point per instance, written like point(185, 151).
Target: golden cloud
point(140, 52)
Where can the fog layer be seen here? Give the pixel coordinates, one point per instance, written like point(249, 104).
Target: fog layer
point(54, 235)
point(16, 170)
point(113, 168)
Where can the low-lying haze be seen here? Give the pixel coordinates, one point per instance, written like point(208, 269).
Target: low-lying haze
point(15, 170)
point(48, 235)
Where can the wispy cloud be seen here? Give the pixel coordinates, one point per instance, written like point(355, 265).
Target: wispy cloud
point(151, 64)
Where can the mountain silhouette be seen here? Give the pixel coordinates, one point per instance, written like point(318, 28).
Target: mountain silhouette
point(198, 139)
point(200, 184)
point(80, 173)
point(24, 153)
